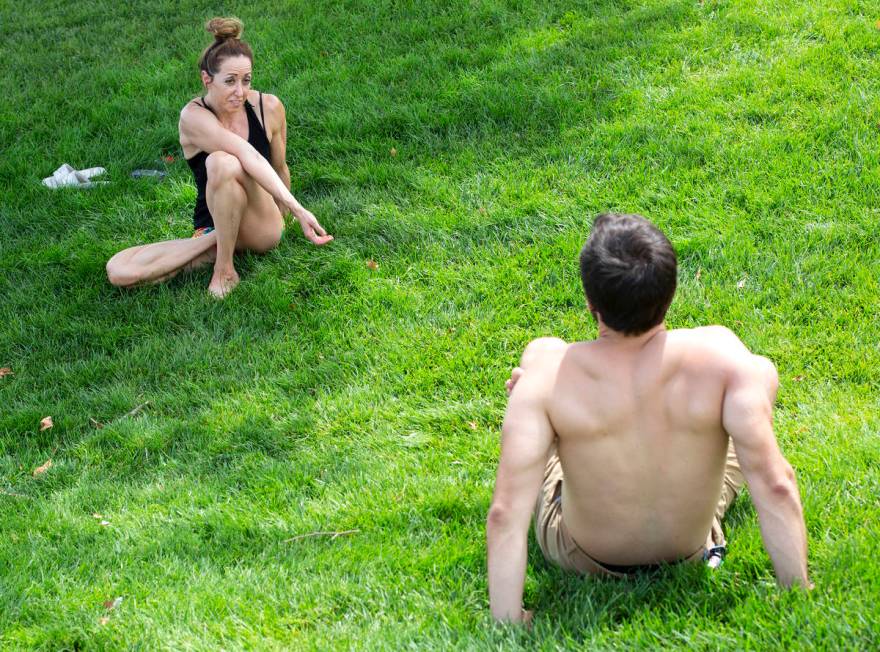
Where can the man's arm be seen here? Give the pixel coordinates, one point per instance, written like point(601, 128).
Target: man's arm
point(526, 438)
point(747, 417)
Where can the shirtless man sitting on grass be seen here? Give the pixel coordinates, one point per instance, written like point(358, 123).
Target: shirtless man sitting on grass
point(624, 446)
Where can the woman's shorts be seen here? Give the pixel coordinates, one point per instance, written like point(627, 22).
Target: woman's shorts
point(203, 230)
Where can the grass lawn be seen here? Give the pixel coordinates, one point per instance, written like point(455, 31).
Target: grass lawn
point(194, 441)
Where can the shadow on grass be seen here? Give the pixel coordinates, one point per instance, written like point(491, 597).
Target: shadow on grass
point(581, 605)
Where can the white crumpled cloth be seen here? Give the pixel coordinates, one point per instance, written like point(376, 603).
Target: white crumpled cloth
point(67, 176)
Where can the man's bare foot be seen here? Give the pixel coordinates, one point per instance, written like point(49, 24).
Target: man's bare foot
point(222, 283)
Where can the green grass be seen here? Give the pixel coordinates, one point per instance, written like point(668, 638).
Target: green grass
point(325, 396)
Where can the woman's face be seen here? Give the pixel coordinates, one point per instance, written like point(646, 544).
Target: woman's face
point(228, 89)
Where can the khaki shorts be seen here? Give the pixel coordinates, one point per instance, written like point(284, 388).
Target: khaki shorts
point(560, 547)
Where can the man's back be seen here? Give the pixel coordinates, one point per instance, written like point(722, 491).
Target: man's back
point(640, 420)
point(641, 441)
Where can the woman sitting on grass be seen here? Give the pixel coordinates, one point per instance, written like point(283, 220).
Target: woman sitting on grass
point(234, 139)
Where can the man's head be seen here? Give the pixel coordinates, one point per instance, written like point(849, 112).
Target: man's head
point(628, 268)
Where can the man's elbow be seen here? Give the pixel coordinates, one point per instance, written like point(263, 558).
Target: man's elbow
point(503, 520)
point(782, 485)
point(498, 517)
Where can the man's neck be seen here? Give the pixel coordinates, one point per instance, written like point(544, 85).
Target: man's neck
point(611, 336)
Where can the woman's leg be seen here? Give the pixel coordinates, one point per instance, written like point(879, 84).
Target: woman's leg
point(159, 261)
point(245, 218)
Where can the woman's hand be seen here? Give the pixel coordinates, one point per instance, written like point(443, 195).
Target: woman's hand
point(311, 228)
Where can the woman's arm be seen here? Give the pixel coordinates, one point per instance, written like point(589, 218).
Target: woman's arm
point(276, 128)
point(276, 120)
point(201, 130)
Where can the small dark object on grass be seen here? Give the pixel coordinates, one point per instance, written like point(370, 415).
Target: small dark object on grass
point(154, 174)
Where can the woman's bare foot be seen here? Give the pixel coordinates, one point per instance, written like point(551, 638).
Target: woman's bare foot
point(222, 283)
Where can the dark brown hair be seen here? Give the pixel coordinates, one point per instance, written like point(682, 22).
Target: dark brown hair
point(628, 268)
point(227, 43)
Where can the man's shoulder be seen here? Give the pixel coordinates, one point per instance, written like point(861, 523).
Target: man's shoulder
point(715, 345)
point(715, 337)
point(709, 330)
point(542, 357)
point(545, 349)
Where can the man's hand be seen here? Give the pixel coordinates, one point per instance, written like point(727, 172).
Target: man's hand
point(313, 231)
point(515, 374)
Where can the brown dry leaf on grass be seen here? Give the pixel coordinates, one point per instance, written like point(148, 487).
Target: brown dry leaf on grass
point(40, 470)
point(372, 264)
point(473, 425)
point(393, 151)
point(742, 283)
point(699, 273)
point(103, 620)
point(46, 423)
point(6, 371)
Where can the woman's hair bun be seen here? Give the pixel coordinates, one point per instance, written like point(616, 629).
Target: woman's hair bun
point(227, 43)
point(225, 28)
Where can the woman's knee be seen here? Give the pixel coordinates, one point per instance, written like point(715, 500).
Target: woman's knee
point(222, 166)
point(120, 274)
point(267, 240)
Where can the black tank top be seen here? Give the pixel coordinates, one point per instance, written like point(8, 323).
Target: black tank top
point(256, 137)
